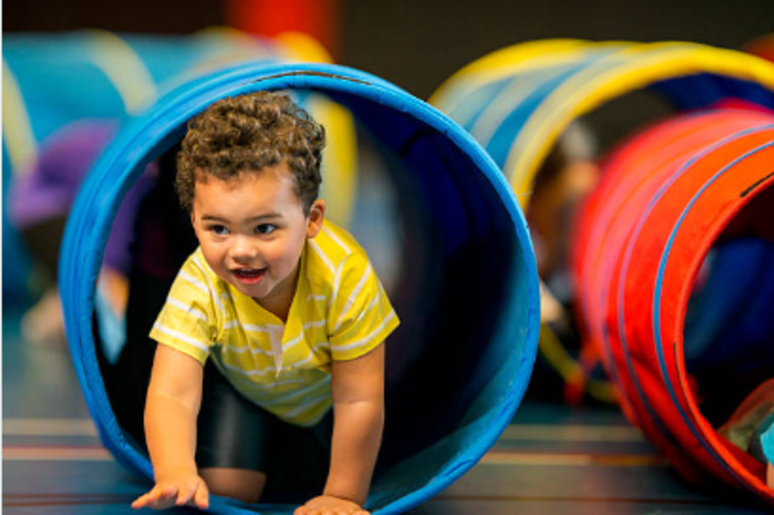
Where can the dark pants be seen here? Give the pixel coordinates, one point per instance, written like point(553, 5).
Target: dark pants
point(233, 432)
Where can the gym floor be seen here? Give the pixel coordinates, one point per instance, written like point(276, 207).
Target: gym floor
point(551, 459)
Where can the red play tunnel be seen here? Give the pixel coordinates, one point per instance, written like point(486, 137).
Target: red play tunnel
point(669, 200)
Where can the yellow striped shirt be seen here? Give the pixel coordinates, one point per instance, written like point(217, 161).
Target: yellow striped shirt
point(339, 312)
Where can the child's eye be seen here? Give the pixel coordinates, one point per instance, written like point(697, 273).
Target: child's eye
point(265, 228)
point(220, 230)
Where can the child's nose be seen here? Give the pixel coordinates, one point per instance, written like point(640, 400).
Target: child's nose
point(243, 249)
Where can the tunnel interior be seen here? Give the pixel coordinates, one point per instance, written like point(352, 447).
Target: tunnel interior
point(729, 328)
point(452, 258)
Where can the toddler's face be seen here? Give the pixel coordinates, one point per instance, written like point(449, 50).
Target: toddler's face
point(252, 230)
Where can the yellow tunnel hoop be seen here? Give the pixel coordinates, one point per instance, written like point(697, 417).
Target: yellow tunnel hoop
point(635, 65)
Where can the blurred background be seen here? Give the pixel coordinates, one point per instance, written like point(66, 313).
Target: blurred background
point(416, 45)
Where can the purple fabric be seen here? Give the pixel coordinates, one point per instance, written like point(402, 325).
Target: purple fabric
point(48, 188)
point(118, 250)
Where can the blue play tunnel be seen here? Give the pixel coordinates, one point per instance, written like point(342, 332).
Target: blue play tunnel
point(465, 285)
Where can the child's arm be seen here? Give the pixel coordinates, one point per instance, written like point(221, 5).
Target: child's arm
point(174, 398)
point(770, 475)
point(357, 387)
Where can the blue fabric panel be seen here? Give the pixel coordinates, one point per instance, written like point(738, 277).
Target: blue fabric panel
point(728, 321)
point(705, 89)
point(767, 440)
point(478, 100)
point(81, 89)
point(16, 259)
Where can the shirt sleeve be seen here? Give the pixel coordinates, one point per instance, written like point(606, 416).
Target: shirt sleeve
point(361, 316)
point(187, 322)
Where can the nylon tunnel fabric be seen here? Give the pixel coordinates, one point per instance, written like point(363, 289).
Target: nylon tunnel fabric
point(665, 198)
point(462, 381)
point(516, 101)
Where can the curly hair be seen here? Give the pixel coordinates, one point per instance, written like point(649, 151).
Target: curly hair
point(246, 134)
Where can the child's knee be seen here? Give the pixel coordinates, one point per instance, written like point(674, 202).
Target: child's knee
point(240, 484)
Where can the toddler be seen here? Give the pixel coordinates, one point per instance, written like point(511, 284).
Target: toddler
point(270, 367)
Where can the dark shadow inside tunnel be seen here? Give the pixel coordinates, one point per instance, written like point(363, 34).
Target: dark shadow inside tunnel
point(729, 328)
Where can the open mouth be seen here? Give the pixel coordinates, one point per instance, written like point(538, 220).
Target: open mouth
point(249, 275)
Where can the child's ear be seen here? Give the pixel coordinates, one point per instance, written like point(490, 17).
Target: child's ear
point(315, 218)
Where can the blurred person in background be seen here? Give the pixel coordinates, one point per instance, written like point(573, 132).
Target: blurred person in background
point(40, 199)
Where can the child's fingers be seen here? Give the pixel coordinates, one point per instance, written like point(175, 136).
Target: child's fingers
point(163, 496)
point(160, 497)
point(140, 502)
point(195, 494)
point(202, 496)
point(186, 494)
point(328, 511)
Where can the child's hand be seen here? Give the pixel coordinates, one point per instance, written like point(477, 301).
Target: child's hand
point(330, 505)
point(176, 490)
